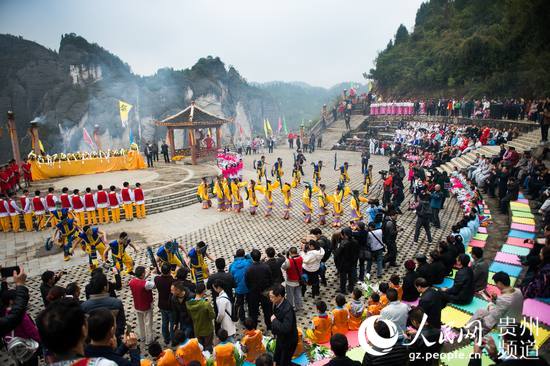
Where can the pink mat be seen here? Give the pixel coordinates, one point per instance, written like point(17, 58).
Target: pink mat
point(523, 227)
point(508, 258)
point(477, 243)
point(522, 200)
point(518, 242)
point(492, 289)
point(482, 230)
point(537, 310)
point(353, 341)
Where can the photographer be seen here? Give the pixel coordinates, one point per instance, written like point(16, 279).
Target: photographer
point(376, 246)
point(49, 279)
point(327, 246)
point(11, 320)
point(312, 254)
point(345, 257)
point(293, 268)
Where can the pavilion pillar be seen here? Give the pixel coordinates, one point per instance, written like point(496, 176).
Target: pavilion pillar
point(13, 136)
point(171, 142)
point(35, 140)
point(218, 138)
point(193, 146)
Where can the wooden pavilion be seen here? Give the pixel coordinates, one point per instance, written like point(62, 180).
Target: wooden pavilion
point(193, 119)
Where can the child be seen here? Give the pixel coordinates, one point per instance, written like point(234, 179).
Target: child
point(89, 204)
point(374, 305)
point(395, 281)
point(225, 352)
point(300, 346)
point(321, 325)
point(160, 357)
point(139, 200)
point(188, 349)
point(251, 343)
point(356, 310)
point(340, 316)
point(383, 287)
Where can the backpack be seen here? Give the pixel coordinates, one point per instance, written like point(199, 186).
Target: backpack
point(425, 209)
point(20, 349)
point(234, 314)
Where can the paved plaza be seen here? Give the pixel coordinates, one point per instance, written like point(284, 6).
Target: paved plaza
point(227, 231)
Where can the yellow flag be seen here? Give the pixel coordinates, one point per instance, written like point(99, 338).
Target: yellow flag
point(269, 127)
point(265, 127)
point(124, 110)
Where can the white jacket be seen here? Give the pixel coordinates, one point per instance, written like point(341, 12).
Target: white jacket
point(312, 259)
point(224, 314)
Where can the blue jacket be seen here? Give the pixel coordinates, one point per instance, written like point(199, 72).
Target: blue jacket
point(238, 270)
point(436, 199)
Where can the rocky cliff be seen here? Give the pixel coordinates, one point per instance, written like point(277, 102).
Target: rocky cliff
point(79, 87)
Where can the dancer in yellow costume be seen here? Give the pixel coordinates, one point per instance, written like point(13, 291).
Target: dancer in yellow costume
point(218, 191)
point(323, 200)
point(195, 260)
point(236, 186)
point(277, 169)
point(170, 253)
point(252, 197)
point(202, 193)
point(226, 194)
point(122, 260)
point(287, 198)
point(260, 168)
point(296, 176)
point(355, 205)
point(317, 173)
point(367, 180)
point(92, 240)
point(337, 199)
point(307, 203)
point(267, 191)
point(344, 176)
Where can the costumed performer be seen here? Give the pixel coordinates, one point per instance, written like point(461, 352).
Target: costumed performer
point(203, 195)
point(122, 260)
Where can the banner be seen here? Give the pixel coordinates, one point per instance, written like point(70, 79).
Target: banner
point(269, 130)
point(280, 126)
point(284, 125)
point(124, 109)
point(88, 139)
point(265, 127)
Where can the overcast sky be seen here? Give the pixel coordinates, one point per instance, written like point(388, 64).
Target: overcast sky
point(320, 42)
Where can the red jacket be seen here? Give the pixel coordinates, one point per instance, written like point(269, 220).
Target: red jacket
point(138, 194)
point(3, 208)
point(77, 202)
point(125, 192)
point(101, 197)
point(65, 202)
point(50, 202)
point(113, 199)
point(89, 200)
point(294, 271)
point(143, 298)
point(37, 204)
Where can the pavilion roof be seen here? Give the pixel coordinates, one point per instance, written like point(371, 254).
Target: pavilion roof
point(192, 116)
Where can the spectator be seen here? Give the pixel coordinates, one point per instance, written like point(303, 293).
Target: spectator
point(284, 327)
point(436, 202)
point(113, 286)
point(238, 270)
point(339, 346)
point(423, 340)
point(181, 275)
point(73, 291)
point(142, 293)
point(202, 314)
point(258, 279)
point(480, 269)
point(293, 268)
point(462, 291)
point(312, 255)
point(180, 319)
point(63, 329)
point(264, 360)
point(227, 281)
point(99, 298)
point(101, 331)
point(164, 150)
point(389, 235)
point(424, 216)
point(345, 258)
point(225, 310)
point(49, 279)
point(539, 286)
point(55, 293)
point(410, 293)
point(376, 246)
point(160, 357)
point(431, 302)
point(275, 266)
point(396, 311)
point(327, 247)
point(163, 284)
point(507, 305)
point(397, 356)
point(361, 236)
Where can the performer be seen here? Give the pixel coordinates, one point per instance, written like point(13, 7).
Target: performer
point(307, 203)
point(14, 212)
point(170, 253)
point(101, 201)
point(202, 194)
point(323, 201)
point(227, 194)
point(296, 176)
point(26, 207)
point(195, 260)
point(4, 214)
point(16, 175)
point(251, 197)
point(92, 240)
point(114, 204)
point(267, 191)
point(51, 206)
point(78, 207)
point(317, 172)
point(355, 205)
point(344, 176)
point(65, 199)
point(27, 175)
point(277, 170)
point(39, 210)
point(336, 199)
point(287, 193)
point(260, 168)
point(127, 201)
point(236, 186)
point(122, 260)
point(218, 191)
point(139, 198)
point(367, 180)
point(89, 206)
point(65, 233)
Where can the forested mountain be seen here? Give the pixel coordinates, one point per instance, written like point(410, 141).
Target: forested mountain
point(498, 48)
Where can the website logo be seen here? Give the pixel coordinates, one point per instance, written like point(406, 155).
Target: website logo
point(371, 342)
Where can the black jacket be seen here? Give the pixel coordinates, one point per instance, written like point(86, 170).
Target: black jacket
point(409, 290)
point(228, 284)
point(117, 356)
point(438, 272)
point(327, 246)
point(12, 320)
point(258, 277)
point(343, 361)
point(462, 291)
point(398, 356)
point(113, 287)
point(284, 326)
point(179, 311)
point(275, 267)
point(432, 302)
point(346, 255)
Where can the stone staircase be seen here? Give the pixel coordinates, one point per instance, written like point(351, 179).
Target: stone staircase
point(525, 142)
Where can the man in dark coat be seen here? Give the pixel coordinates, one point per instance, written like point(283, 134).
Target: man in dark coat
point(462, 291)
point(346, 257)
point(431, 302)
point(227, 280)
point(258, 279)
point(164, 150)
point(283, 322)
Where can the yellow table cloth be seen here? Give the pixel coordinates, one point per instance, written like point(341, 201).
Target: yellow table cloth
point(131, 161)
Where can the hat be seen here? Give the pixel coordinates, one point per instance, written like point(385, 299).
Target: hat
point(421, 258)
point(410, 265)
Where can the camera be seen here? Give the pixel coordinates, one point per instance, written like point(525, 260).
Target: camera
point(383, 172)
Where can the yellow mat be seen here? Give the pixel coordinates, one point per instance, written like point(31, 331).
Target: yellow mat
point(523, 220)
point(541, 335)
point(454, 317)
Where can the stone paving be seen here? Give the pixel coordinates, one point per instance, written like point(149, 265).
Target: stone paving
point(225, 232)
